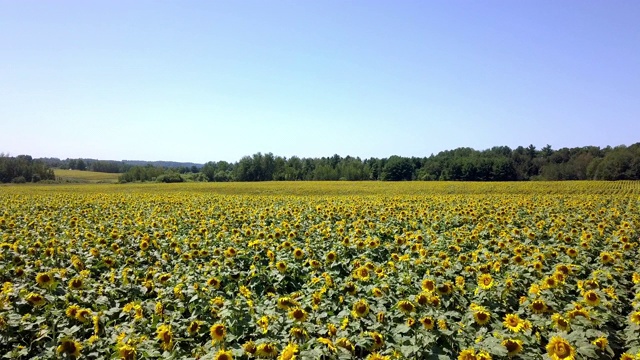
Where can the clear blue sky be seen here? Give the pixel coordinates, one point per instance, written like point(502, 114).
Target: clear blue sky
point(217, 80)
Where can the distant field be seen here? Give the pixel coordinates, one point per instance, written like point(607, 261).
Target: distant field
point(85, 176)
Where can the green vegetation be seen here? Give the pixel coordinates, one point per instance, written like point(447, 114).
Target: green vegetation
point(22, 169)
point(78, 176)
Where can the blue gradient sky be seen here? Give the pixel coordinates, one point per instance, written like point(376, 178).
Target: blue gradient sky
point(216, 80)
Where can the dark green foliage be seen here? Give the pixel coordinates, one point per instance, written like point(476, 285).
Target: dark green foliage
point(23, 168)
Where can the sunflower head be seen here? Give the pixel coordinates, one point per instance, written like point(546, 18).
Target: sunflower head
point(513, 346)
point(218, 332)
point(360, 308)
point(559, 348)
point(69, 347)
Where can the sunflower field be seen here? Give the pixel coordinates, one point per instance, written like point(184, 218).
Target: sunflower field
point(335, 270)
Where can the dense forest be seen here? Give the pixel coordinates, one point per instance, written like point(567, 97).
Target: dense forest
point(23, 168)
point(499, 163)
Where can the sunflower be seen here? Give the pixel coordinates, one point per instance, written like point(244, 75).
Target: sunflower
point(467, 354)
point(249, 347)
point(298, 254)
point(513, 346)
point(267, 350)
point(45, 280)
point(560, 322)
point(83, 315)
point(350, 288)
point(538, 306)
point(635, 317)
point(445, 289)
point(428, 285)
point(559, 349)
point(376, 356)
point(627, 356)
point(286, 302)
point(406, 306)
point(601, 343)
point(298, 333)
point(592, 298)
point(422, 298)
point(481, 316)
point(376, 292)
point(513, 322)
point(345, 344)
point(214, 282)
point(194, 327)
point(72, 310)
point(281, 266)
point(360, 308)
point(329, 344)
point(164, 334)
point(127, 352)
point(76, 283)
point(223, 355)
point(331, 256)
point(427, 322)
point(298, 314)
point(378, 340)
point(289, 352)
point(218, 332)
point(69, 347)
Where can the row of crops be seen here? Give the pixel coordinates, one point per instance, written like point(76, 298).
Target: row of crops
point(321, 271)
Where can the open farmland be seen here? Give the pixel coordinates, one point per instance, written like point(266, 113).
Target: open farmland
point(311, 270)
point(85, 176)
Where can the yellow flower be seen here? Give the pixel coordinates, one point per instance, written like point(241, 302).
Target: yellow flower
point(298, 254)
point(378, 340)
point(281, 266)
point(428, 285)
point(376, 356)
point(298, 314)
point(601, 343)
point(76, 283)
point(513, 346)
point(72, 310)
point(481, 316)
point(345, 344)
point(267, 350)
point(406, 306)
point(560, 322)
point(427, 322)
point(289, 352)
point(538, 306)
point(249, 347)
point(127, 352)
point(560, 349)
point(635, 317)
point(360, 308)
point(83, 315)
point(485, 281)
point(223, 355)
point(164, 334)
point(513, 322)
point(69, 347)
point(592, 298)
point(467, 354)
point(218, 332)
point(45, 280)
point(329, 344)
point(194, 327)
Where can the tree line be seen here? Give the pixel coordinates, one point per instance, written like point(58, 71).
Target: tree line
point(22, 169)
point(499, 163)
